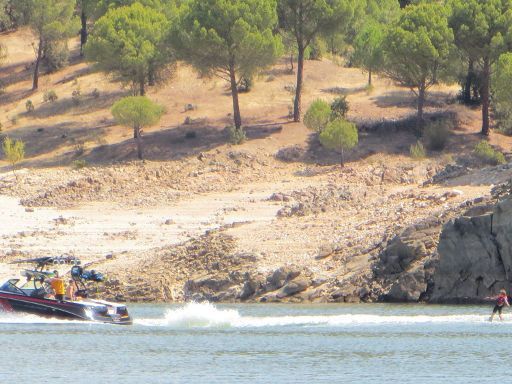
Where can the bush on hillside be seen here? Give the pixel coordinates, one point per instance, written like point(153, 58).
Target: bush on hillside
point(485, 152)
point(318, 115)
point(29, 106)
point(339, 108)
point(417, 151)
point(436, 134)
point(236, 136)
point(50, 96)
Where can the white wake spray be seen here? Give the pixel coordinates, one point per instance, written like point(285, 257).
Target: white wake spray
point(193, 315)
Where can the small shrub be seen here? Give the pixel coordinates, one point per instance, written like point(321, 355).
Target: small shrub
point(95, 93)
point(79, 149)
point(14, 120)
point(245, 85)
point(318, 115)
point(417, 151)
point(290, 88)
point(270, 78)
point(236, 136)
point(340, 135)
point(369, 89)
point(339, 108)
point(190, 107)
point(76, 96)
point(56, 56)
point(50, 96)
point(79, 164)
point(436, 134)
point(485, 152)
point(29, 106)
point(14, 151)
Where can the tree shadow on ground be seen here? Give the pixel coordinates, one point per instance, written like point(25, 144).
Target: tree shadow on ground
point(39, 141)
point(16, 73)
point(173, 143)
point(342, 91)
point(375, 137)
point(85, 104)
point(15, 96)
point(407, 99)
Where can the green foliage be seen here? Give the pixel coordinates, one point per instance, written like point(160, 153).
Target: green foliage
point(483, 32)
point(417, 151)
point(485, 152)
point(236, 136)
point(368, 53)
point(76, 96)
point(339, 108)
point(50, 96)
point(307, 19)
point(436, 134)
point(14, 151)
point(502, 93)
point(481, 27)
point(232, 39)
point(12, 14)
point(340, 135)
point(52, 22)
point(79, 164)
point(29, 106)
point(56, 55)
point(137, 111)
point(128, 42)
point(318, 115)
point(418, 48)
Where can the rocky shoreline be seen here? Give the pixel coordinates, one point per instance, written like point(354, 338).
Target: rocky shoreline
point(370, 233)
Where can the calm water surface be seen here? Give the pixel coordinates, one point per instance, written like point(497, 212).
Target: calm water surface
point(202, 343)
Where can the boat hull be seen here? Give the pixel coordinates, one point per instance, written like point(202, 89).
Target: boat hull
point(86, 310)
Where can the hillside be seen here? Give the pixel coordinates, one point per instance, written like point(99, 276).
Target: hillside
point(275, 218)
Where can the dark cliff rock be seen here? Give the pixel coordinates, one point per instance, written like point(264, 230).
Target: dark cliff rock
point(475, 256)
point(407, 266)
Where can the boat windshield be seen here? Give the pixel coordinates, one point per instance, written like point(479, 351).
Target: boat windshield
point(12, 286)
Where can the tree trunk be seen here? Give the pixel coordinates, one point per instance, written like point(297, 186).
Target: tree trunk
point(342, 158)
point(151, 76)
point(298, 88)
point(421, 103)
point(486, 74)
point(35, 83)
point(370, 77)
point(469, 81)
point(83, 32)
point(234, 94)
point(291, 62)
point(142, 89)
point(138, 139)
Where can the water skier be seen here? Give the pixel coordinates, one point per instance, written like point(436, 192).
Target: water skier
point(501, 301)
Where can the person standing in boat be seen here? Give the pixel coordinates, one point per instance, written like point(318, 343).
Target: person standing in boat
point(57, 284)
point(71, 290)
point(501, 301)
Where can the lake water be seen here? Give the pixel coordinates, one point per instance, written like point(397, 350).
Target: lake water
point(202, 343)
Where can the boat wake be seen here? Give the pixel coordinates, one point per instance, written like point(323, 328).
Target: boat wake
point(21, 318)
point(197, 315)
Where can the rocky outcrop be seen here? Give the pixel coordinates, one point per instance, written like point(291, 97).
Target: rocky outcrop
point(475, 256)
point(408, 265)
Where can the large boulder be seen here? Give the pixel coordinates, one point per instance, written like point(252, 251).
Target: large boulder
point(475, 256)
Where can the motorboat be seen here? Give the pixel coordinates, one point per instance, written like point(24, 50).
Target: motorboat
point(33, 294)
